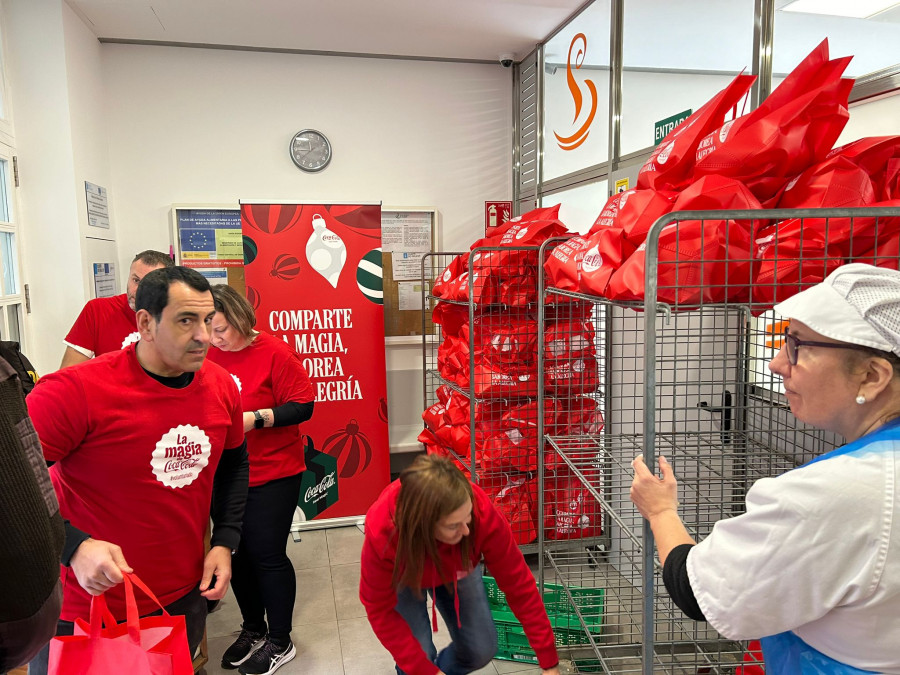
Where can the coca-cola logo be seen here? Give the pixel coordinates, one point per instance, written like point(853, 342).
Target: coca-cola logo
point(315, 491)
point(331, 238)
point(521, 233)
point(592, 260)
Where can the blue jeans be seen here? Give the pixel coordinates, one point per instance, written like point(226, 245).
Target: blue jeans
point(474, 641)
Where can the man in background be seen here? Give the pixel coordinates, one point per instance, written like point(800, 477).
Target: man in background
point(108, 324)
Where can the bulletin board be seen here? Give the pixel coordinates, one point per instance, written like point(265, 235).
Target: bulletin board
point(407, 234)
point(207, 237)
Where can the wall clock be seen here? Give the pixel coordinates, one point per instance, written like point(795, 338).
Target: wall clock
point(310, 150)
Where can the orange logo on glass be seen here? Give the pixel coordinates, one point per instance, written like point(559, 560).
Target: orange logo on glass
point(580, 136)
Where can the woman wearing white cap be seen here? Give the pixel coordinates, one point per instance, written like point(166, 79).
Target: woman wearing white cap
point(813, 566)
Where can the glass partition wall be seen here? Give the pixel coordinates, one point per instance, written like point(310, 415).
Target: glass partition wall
point(589, 98)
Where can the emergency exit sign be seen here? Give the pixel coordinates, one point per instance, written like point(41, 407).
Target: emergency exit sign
point(663, 127)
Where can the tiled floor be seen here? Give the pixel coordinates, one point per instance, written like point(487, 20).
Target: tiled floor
point(331, 632)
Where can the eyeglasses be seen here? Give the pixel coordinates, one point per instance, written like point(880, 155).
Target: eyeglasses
point(792, 344)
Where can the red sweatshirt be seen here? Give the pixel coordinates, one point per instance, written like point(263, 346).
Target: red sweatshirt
point(493, 540)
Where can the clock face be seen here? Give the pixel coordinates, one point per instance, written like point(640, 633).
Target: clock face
point(310, 150)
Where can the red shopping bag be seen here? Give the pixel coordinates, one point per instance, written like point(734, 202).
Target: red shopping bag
point(877, 157)
point(670, 165)
point(607, 250)
point(700, 261)
point(571, 511)
point(517, 501)
point(154, 645)
point(635, 211)
point(792, 129)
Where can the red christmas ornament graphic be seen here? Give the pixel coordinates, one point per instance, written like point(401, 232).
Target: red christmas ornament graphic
point(382, 410)
point(272, 218)
point(361, 219)
point(285, 267)
point(253, 297)
point(348, 445)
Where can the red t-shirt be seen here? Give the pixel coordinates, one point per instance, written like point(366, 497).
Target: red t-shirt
point(104, 325)
point(135, 462)
point(491, 539)
point(269, 373)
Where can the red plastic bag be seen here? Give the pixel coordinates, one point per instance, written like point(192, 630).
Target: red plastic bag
point(672, 161)
point(561, 266)
point(570, 510)
point(885, 254)
point(609, 249)
point(635, 211)
point(517, 501)
point(699, 260)
point(752, 661)
point(154, 645)
point(793, 129)
point(457, 266)
point(878, 157)
point(798, 253)
point(540, 213)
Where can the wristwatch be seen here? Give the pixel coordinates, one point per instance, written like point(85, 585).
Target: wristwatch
point(258, 422)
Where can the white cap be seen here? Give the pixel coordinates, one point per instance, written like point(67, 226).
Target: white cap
point(856, 303)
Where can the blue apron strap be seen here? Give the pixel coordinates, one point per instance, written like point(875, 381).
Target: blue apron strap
point(787, 654)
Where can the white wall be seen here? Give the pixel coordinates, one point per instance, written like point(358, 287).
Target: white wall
point(47, 198)
point(90, 147)
point(198, 125)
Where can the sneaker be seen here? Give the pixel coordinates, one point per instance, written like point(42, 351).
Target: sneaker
point(268, 658)
point(242, 648)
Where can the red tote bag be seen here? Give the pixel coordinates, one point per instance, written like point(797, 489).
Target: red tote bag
point(153, 645)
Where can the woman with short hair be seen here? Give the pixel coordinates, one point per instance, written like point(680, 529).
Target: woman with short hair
point(277, 398)
point(813, 565)
point(427, 534)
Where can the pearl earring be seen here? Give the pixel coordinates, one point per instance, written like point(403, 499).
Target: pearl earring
point(860, 400)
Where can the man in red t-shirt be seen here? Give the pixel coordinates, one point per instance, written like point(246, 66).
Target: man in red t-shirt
point(108, 324)
point(138, 439)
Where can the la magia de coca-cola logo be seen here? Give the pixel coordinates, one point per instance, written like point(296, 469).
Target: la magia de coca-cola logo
point(180, 455)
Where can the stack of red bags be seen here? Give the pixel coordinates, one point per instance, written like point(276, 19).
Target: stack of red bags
point(504, 277)
point(495, 358)
point(776, 156)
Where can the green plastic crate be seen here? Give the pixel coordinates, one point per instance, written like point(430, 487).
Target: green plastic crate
point(512, 643)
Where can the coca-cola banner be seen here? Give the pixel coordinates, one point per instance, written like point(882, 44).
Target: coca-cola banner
point(314, 276)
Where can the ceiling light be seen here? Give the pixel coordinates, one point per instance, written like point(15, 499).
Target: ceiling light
point(858, 9)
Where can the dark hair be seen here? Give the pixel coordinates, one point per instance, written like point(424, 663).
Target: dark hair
point(235, 308)
point(153, 291)
point(431, 488)
point(154, 258)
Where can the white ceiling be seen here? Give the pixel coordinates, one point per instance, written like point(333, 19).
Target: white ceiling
point(478, 30)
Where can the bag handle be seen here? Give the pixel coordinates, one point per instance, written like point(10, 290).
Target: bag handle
point(100, 615)
point(132, 616)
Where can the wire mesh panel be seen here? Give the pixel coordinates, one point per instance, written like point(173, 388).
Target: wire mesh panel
point(481, 378)
point(684, 331)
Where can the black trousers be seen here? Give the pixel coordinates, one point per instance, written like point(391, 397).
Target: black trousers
point(262, 574)
point(192, 606)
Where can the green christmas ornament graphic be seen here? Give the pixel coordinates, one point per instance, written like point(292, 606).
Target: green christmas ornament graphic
point(369, 276)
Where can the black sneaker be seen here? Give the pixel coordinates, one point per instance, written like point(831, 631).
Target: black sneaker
point(268, 658)
point(242, 648)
